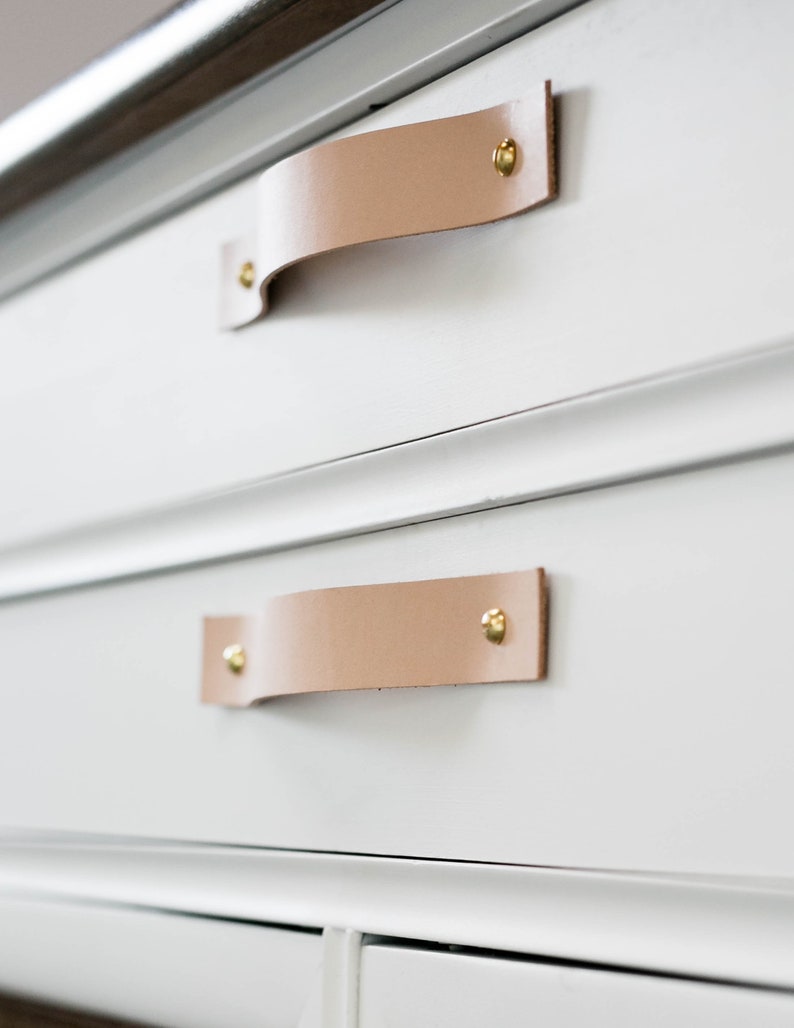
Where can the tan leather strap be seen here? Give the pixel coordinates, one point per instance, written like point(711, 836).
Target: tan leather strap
point(427, 177)
point(379, 637)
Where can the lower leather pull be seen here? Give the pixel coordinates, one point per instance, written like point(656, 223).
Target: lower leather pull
point(452, 631)
point(427, 177)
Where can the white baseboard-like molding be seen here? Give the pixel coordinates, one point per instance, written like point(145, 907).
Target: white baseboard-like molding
point(696, 927)
point(730, 410)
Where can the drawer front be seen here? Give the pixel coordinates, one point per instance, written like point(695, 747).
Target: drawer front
point(669, 244)
point(659, 740)
point(401, 988)
point(157, 968)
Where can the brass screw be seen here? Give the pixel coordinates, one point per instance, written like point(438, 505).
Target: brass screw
point(246, 275)
point(493, 624)
point(504, 157)
point(234, 656)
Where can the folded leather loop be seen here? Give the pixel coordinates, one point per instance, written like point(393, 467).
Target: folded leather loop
point(425, 177)
point(379, 637)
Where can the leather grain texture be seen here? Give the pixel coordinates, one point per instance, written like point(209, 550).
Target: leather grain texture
point(427, 177)
point(380, 637)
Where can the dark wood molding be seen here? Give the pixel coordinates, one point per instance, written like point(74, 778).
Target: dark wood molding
point(22, 1013)
point(269, 32)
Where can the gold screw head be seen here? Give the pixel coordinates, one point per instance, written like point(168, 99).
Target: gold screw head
point(494, 624)
point(246, 275)
point(504, 157)
point(234, 656)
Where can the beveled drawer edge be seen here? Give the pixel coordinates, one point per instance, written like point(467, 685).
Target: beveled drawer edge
point(694, 926)
point(725, 410)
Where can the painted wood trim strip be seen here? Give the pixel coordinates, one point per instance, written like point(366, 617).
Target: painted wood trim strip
point(341, 975)
point(694, 927)
point(431, 176)
point(729, 410)
point(425, 633)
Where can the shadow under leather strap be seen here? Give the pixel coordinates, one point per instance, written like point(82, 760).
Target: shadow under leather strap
point(426, 177)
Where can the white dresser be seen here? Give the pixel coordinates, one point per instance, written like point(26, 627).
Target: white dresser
point(601, 387)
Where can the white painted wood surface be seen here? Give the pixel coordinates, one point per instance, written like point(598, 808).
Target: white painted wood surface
point(157, 968)
point(681, 925)
point(723, 411)
point(661, 739)
point(670, 244)
point(341, 960)
point(403, 988)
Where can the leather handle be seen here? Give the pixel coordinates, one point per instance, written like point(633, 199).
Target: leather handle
point(426, 177)
point(379, 637)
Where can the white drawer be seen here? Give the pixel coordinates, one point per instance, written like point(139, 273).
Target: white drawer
point(661, 739)
point(669, 244)
point(401, 988)
point(157, 968)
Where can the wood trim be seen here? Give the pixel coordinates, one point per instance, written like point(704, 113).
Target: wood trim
point(696, 926)
point(726, 410)
point(266, 33)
